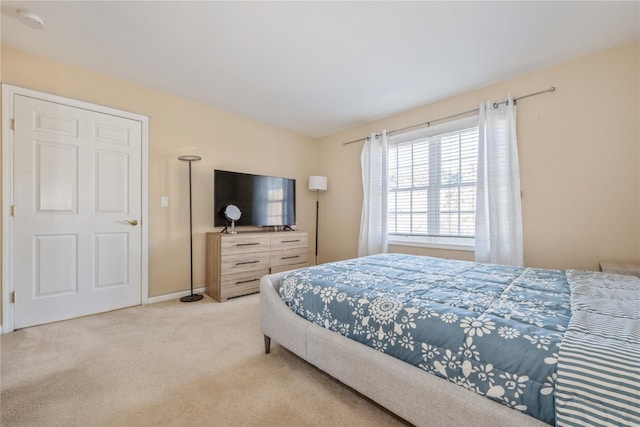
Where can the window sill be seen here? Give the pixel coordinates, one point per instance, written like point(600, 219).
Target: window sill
point(450, 243)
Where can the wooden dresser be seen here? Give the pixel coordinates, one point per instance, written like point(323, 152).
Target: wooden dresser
point(236, 262)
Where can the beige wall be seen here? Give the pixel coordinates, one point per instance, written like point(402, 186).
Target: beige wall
point(179, 126)
point(579, 156)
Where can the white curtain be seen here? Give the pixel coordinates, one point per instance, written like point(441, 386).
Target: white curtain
point(373, 222)
point(498, 206)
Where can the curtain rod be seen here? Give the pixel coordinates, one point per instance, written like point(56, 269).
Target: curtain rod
point(452, 116)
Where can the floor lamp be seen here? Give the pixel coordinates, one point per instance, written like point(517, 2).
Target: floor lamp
point(192, 297)
point(317, 184)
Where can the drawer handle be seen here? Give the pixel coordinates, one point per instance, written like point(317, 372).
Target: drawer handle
point(289, 257)
point(290, 241)
point(247, 244)
point(247, 281)
point(247, 262)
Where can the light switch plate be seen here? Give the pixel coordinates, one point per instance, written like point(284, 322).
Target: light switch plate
point(164, 201)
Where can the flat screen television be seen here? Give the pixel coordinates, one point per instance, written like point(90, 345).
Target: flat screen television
point(262, 200)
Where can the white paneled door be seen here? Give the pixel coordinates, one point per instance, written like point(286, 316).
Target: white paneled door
point(77, 196)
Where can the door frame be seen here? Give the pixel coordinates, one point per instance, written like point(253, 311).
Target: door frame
point(8, 284)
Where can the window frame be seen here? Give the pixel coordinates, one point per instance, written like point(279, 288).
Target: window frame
point(461, 243)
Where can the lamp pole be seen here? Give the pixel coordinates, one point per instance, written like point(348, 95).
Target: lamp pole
point(317, 184)
point(192, 297)
point(317, 216)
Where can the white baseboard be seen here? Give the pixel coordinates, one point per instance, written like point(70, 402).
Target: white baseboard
point(175, 295)
point(167, 297)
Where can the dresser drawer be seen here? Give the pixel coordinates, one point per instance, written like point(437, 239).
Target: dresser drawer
point(244, 262)
point(288, 267)
point(241, 283)
point(239, 244)
point(288, 240)
point(288, 257)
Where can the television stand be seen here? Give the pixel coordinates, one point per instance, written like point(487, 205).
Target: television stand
point(235, 263)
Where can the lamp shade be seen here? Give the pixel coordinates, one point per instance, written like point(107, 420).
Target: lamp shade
point(318, 183)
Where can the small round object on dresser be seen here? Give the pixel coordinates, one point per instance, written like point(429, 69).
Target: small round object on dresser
point(232, 212)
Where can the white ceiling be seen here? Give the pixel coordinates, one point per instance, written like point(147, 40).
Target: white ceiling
point(318, 67)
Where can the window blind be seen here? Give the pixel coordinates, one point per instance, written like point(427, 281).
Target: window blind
point(432, 181)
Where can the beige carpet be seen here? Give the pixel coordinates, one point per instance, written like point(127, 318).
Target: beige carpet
point(171, 363)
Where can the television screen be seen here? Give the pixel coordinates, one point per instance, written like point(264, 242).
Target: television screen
point(262, 200)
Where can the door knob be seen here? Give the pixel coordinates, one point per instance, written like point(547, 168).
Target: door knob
point(133, 222)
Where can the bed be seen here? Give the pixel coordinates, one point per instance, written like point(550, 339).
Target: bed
point(443, 342)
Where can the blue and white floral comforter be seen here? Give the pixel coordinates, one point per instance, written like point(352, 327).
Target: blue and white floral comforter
point(493, 329)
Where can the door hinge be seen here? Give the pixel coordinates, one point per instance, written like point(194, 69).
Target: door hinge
point(13, 296)
point(13, 124)
point(13, 210)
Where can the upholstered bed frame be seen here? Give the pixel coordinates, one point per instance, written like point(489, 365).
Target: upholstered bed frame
point(415, 395)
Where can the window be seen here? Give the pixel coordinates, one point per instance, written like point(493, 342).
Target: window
point(432, 186)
